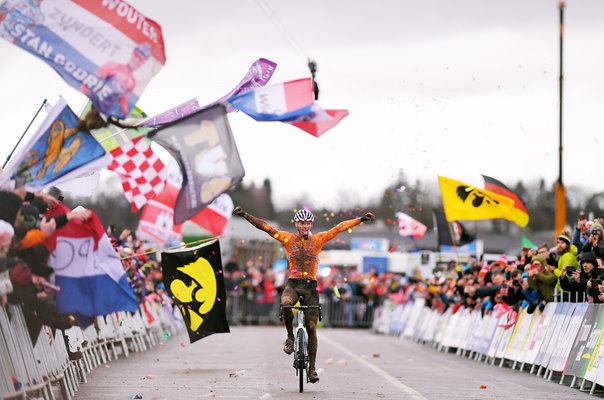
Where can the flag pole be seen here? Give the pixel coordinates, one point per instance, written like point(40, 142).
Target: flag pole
point(23, 134)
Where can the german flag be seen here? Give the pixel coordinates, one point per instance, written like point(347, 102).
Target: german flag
point(519, 215)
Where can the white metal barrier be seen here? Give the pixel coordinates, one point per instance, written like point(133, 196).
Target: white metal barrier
point(565, 340)
point(60, 360)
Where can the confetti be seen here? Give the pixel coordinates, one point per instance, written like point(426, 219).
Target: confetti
point(220, 271)
point(400, 189)
point(182, 344)
point(167, 335)
point(392, 248)
point(236, 287)
point(345, 279)
point(336, 291)
point(483, 386)
point(218, 298)
point(372, 279)
point(349, 230)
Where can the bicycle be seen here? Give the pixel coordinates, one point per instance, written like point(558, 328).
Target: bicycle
point(301, 360)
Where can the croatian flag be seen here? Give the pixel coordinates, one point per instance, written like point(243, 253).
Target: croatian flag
point(215, 217)
point(319, 121)
point(88, 270)
point(105, 48)
point(282, 102)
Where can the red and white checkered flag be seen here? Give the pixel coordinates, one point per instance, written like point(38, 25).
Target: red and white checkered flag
point(142, 173)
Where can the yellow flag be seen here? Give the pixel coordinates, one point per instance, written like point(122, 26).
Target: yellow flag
point(463, 201)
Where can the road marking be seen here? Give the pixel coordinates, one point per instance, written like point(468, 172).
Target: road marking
point(414, 394)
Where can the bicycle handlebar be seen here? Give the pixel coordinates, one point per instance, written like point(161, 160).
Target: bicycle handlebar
point(303, 307)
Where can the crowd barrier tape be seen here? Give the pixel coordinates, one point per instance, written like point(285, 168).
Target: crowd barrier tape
point(60, 360)
point(565, 341)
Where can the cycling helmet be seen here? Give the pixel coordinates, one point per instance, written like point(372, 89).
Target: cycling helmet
point(144, 49)
point(304, 215)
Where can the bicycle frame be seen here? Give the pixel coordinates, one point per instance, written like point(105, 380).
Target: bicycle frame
point(301, 359)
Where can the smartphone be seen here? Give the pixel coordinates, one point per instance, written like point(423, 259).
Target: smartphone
point(581, 215)
point(596, 282)
point(570, 270)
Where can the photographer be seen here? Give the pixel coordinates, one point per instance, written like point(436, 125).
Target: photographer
point(594, 243)
point(596, 277)
point(574, 280)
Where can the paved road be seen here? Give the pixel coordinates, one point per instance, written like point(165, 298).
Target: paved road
point(356, 365)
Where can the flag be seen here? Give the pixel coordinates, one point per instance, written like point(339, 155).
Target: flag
point(525, 242)
point(193, 278)
point(106, 49)
point(204, 148)
point(282, 102)
point(319, 121)
point(142, 173)
point(88, 270)
point(257, 76)
point(519, 215)
point(408, 226)
point(156, 224)
point(462, 201)
point(215, 216)
point(56, 151)
point(450, 233)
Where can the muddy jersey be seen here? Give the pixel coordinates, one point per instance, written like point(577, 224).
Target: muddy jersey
point(303, 254)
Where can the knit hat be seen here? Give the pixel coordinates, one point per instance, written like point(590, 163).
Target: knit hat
point(539, 259)
point(564, 237)
point(590, 258)
point(597, 227)
point(10, 203)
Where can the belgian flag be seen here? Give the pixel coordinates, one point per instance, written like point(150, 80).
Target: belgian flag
point(519, 215)
point(193, 278)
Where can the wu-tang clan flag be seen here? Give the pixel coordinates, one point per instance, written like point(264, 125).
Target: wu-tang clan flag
point(193, 278)
point(463, 201)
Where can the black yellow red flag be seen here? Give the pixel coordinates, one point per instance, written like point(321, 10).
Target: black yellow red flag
point(193, 278)
point(466, 202)
point(519, 215)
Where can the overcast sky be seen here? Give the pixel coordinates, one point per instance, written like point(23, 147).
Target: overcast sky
point(456, 88)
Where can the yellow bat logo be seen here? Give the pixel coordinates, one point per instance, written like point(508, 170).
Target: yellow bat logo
point(202, 289)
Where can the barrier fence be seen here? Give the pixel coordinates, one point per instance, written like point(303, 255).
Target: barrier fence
point(58, 361)
point(354, 312)
point(563, 342)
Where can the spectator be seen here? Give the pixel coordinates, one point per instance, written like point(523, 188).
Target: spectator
point(541, 277)
point(550, 258)
point(581, 232)
point(594, 242)
point(567, 254)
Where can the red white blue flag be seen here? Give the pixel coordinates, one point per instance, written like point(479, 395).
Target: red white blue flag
point(88, 270)
point(106, 49)
point(282, 102)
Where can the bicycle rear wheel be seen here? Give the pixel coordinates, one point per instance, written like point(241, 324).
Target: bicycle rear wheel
point(301, 361)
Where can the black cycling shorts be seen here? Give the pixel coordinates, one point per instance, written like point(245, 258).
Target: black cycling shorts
point(301, 287)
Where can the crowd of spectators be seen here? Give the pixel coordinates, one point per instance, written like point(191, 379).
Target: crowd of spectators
point(572, 270)
point(26, 278)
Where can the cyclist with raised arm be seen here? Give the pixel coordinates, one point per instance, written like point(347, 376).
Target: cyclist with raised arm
point(302, 251)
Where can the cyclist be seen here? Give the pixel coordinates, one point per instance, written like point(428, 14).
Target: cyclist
point(302, 251)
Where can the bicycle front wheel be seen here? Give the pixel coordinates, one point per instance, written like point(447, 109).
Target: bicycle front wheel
point(301, 361)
